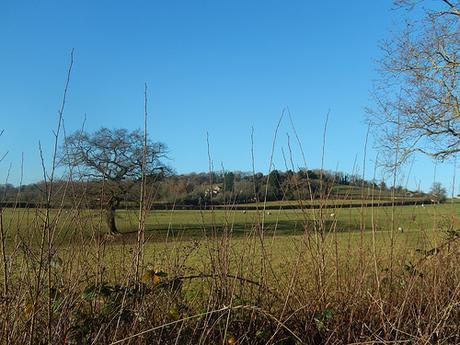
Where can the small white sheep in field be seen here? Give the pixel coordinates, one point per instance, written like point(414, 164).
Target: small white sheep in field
point(269, 213)
point(400, 229)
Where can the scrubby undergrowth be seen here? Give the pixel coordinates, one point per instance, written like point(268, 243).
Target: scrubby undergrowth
point(322, 287)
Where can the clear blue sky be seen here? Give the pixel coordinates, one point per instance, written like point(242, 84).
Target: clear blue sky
point(220, 67)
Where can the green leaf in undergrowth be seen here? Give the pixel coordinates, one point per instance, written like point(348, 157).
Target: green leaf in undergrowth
point(94, 290)
point(88, 293)
point(173, 313)
point(100, 304)
point(238, 300)
point(56, 297)
point(56, 305)
point(105, 291)
point(80, 329)
point(161, 274)
point(402, 282)
point(109, 308)
point(322, 319)
point(328, 313)
point(78, 334)
point(320, 325)
point(262, 334)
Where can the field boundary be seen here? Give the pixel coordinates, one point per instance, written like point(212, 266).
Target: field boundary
point(243, 207)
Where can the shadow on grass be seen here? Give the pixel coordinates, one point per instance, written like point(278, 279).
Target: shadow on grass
point(196, 231)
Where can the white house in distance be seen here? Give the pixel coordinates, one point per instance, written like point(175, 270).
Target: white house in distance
point(214, 190)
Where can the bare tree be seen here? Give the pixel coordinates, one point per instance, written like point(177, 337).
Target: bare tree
point(117, 157)
point(438, 192)
point(417, 96)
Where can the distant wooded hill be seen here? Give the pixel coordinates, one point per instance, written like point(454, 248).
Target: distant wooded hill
point(216, 188)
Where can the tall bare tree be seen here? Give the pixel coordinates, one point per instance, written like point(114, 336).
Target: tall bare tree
point(117, 157)
point(417, 96)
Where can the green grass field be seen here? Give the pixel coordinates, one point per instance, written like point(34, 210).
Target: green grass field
point(27, 222)
point(338, 262)
point(415, 228)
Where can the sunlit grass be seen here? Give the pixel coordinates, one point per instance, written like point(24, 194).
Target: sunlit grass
point(84, 223)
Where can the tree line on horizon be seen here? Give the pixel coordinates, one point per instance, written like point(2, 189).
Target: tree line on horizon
point(216, 187)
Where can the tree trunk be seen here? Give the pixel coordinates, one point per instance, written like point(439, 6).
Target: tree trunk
point(110, 218)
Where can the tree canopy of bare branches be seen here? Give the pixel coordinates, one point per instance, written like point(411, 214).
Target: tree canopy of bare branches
point(116, 156)
point(417, 96)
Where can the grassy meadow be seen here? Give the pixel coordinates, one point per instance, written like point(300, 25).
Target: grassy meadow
point(159, 224)
point(278, 276)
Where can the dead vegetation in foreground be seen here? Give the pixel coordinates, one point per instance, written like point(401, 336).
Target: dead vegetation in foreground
point(327, 287)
